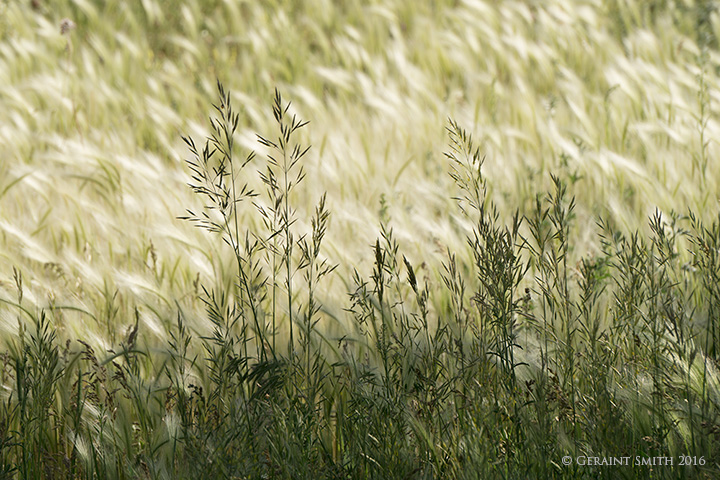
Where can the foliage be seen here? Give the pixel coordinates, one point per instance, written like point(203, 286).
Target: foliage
point(483, 329)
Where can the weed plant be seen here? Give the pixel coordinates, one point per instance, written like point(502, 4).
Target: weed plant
point(527, 355)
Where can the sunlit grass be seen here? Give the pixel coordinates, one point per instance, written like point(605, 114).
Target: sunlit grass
point(618, 100)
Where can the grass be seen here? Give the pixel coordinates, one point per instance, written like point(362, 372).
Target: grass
point(350, 310)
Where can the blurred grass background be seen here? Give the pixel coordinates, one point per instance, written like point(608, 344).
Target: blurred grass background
point(617, 98)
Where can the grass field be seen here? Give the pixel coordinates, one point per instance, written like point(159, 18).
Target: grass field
point(494, 245)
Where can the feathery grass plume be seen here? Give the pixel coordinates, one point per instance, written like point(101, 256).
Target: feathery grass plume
point(37, 369)
point(284, 172)
point(550, 229)
point(216, 175)
point(499, 268)
point(496, 248)
point(706, 242)
point(315, 268)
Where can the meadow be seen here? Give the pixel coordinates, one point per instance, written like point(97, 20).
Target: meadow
point(349, 239)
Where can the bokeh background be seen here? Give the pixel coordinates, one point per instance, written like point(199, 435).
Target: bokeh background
point(618, 98)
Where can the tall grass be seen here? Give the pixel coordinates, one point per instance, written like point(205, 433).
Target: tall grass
point(543, 300)
point(521, 360)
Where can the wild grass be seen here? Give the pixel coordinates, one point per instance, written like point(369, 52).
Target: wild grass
point(350, 310)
